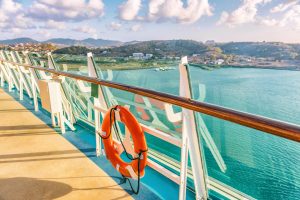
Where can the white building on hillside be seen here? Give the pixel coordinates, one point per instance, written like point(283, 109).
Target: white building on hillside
point(210, 42)
point(138, 55)
point(148, 55)
point(219, 62)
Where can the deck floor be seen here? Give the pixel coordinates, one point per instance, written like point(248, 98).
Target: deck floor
point(38, 163)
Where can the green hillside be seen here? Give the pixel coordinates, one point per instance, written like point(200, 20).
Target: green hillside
point(177, 48)
point(157, 48)
point(262, 49)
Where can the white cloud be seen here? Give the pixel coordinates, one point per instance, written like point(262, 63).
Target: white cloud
point(16, 30)
point(268, 22)
point(85, 29)
point(114, 26)
point(290, 18)
point(66, 10)
point(51, 24)
point(284, 6)
point(21, 21)
point(48, 14)
point(129, 9)
point(3, 17)
point(246, 13)
point(9, 6)
point(178, 11)
point(136, 27)
point(13, 32)
point(44, 33)
point(288, 15)
point(11, 16)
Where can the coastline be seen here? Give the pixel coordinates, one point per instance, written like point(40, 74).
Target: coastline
point(291, 68)
point(212, 67)
point(136, 65)
point(117, 66)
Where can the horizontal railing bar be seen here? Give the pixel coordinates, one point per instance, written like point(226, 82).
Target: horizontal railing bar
point(274, 127)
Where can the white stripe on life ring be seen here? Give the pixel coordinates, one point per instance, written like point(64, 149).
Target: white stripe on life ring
point(117, 115)
point(102, 133)
point(131, 172)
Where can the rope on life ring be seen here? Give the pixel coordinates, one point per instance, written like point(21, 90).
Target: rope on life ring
point(136, 168)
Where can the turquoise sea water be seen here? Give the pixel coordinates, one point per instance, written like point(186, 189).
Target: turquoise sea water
point(258, 164)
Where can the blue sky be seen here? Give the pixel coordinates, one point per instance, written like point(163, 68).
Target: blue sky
point(127, 20)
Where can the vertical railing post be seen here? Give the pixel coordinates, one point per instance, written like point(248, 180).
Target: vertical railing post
point(1, 72)
point(10, 68)
point(33, 79)
point(2, 78)
point(34, 92)
point(183, 163)
point(8, 74)
point(21, 81)
point(24, 86)
point(93, 73)
point(90, 111)
point(190, 142)
point(60, 121)
point(97, 127)
point(51, 63)
point(99, 102)
point(62, 116)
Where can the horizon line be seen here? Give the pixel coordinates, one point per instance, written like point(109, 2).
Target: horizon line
point(263, 41)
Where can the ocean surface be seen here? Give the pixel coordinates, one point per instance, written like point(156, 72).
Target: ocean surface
point(258, 164)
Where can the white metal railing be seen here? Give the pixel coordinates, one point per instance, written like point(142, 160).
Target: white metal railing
point(17, 75)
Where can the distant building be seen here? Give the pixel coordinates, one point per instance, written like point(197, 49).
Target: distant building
point(210, 42)
point(196, 55)
point(148, 55)
point(138, 55)
point(219, 62)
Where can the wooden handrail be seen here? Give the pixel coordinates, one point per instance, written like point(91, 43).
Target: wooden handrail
point(274, 127)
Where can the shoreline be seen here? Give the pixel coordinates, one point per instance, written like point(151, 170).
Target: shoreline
point(75, 66)
point(291, 68)
point(123, 66)
point(212, 67)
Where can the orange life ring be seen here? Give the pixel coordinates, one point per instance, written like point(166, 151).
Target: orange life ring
point(137, 166)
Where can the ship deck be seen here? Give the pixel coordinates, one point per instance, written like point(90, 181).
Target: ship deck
point(38, 163)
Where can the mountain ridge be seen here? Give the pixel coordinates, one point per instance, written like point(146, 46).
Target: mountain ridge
point(18, 40)
point(173, 48)
point(177, 48)
point(88, 42)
